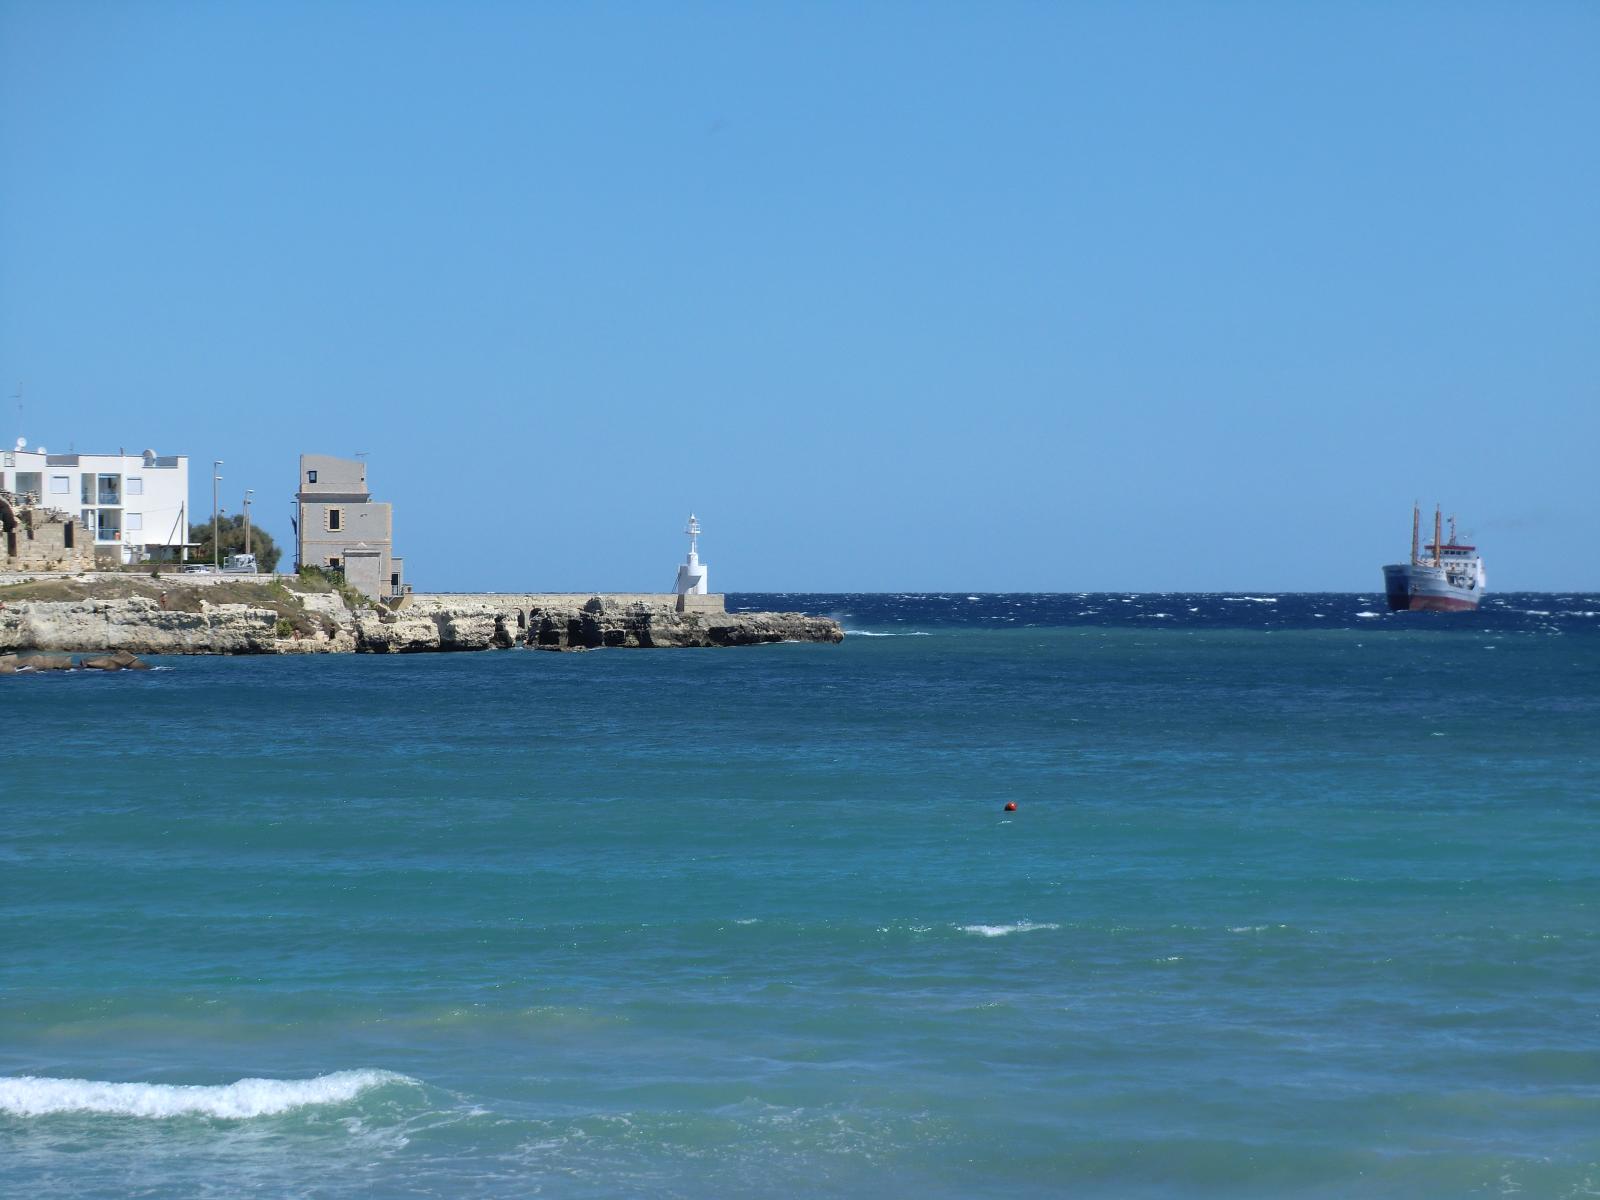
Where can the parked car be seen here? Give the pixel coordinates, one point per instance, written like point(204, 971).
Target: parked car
point(198, 569)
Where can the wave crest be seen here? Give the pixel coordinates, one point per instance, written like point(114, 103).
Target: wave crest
point(992, 931)
point(38, 1096)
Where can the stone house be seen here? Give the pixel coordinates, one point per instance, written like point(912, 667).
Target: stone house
point(339, 526)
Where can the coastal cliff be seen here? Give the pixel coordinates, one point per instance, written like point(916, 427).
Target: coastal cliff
point(249, 618)
point(574, 623)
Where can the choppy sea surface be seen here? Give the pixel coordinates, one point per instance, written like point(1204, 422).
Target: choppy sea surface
point(1300, 899)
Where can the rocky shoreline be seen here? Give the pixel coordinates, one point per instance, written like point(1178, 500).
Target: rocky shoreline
point(174, 620)
point(12, 664)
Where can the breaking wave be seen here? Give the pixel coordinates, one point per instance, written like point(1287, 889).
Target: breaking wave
point(38, 1096)
point(993, 931)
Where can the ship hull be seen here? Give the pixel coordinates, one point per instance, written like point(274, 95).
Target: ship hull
point(1425, 589)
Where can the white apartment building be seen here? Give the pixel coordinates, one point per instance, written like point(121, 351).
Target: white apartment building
point(134, 504)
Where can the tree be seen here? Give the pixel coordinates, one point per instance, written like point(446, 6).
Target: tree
point(230, 536)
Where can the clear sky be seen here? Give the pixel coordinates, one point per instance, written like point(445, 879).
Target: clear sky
point(895, 296)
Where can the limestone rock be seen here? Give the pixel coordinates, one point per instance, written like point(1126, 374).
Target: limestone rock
point(44, 662)
point(137, 624)
point(426, 626)
point(120, 661)
point(599, 622)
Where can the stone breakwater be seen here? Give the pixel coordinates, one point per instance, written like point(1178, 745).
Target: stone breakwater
point(324, 624)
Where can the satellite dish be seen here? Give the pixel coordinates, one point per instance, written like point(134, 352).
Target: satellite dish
point(41, 450)
point(22, 443)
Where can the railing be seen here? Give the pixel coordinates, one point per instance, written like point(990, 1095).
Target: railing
point(110, 498)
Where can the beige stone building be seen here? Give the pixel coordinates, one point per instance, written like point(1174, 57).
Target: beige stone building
point(339, 526)
point(42, 539)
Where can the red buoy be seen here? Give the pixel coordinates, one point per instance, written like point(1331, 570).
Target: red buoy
point(1011, 806)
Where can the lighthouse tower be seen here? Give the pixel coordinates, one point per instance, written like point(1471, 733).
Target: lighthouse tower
point(692, 573)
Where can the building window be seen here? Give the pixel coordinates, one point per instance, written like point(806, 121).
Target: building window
point(311, 476)
point(60, 485)
point(335, 520)
point(132, 521)
point(333, 561)
point(135, 485)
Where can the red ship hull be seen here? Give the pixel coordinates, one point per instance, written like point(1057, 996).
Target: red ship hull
point(1436, 604)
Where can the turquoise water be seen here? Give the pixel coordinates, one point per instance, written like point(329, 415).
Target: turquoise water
point(1284, 911)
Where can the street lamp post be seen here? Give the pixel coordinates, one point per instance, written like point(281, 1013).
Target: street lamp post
point(216, 551)
point(248, 492)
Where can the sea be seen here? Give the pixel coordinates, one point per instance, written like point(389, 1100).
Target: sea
point(1299, 898)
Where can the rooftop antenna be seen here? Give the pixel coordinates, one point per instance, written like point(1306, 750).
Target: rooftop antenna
point(17, 396)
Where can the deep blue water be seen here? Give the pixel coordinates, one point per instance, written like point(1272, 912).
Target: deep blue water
point(1292, 905)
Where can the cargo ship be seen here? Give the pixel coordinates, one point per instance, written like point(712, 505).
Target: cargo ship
point(1441, 577)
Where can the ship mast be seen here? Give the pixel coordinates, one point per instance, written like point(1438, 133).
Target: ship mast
point(1438, 536)
point(1416, 532)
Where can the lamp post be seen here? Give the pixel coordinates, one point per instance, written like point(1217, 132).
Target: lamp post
point(216, 553)
point(248, 492)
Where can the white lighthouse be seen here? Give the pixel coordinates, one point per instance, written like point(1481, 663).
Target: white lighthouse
point(692, 572)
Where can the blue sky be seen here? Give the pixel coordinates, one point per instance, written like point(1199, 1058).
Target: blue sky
point(895, 296)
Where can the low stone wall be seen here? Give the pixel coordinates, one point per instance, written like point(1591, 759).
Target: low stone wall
point(655, 601)
point(167, 576)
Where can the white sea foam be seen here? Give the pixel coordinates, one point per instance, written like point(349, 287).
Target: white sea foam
point(1369, 613)
point(992, 931)
point(38, 1096)
point(1254, 599)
